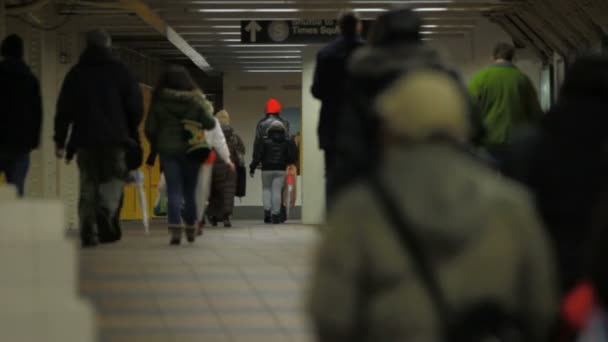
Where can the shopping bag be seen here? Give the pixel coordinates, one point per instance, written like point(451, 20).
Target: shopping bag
point(241, 181)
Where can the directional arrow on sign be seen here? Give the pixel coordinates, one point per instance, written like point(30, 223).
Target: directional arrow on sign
point(253, 28)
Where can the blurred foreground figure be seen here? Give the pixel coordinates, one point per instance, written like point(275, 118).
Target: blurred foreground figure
point(564, 163)
point(395, 48)
point(101, 103)
point(487, 262)
point(21, 113)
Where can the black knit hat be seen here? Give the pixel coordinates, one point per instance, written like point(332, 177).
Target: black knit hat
point(397, 26)
point(12, 47)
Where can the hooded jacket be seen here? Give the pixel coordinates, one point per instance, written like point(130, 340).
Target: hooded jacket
point(275, 152)
point(20, 108)
point(102, 102)
point(165, 123)
point(273, 114)
point(480, 232)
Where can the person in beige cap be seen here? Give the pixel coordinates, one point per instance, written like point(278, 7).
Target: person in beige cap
point(480, 232)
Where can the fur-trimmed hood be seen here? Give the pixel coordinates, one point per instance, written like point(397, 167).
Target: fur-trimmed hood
point(423, 105)
point(380, 61)
point(175, 97)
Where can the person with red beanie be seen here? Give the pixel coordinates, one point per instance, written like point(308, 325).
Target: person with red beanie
point(273, 115)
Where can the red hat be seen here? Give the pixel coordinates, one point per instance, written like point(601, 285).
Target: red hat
point(273, 106)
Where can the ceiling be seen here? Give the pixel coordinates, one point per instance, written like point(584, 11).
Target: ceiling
point(208, 31)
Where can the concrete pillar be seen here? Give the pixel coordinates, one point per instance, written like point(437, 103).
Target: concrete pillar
point(39, 266)
point(313, 174)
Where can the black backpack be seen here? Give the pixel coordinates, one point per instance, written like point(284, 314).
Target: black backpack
point(484, 321)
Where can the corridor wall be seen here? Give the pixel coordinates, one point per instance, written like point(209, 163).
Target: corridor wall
point(245, 96)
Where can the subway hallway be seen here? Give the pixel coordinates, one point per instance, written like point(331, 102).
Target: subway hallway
point(246, 283)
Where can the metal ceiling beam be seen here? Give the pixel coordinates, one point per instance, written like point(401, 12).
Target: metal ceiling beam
point(597, 10)
point(149, 16)
point(180, 16)
point(520, 36)
point(24, 9)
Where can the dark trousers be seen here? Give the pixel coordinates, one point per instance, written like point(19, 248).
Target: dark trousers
point(331, 178)
point(15, 170)
point(181, 175)
point(103, 174)
point(499, 157)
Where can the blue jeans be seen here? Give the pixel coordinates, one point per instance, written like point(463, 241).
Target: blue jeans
point(181, 175)
point(15, 170)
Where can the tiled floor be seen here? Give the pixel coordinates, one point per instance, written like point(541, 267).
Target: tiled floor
point(241, 284)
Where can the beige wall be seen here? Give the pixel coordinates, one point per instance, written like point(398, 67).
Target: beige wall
point(313, 180)
point(472, 52)
point(246, 108)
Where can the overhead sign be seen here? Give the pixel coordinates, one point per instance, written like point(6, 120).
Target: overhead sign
point(306, 31)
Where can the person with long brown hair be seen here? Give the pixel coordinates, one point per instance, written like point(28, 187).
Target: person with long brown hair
point(179, 115)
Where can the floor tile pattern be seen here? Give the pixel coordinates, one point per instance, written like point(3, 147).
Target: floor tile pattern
point(244, 284)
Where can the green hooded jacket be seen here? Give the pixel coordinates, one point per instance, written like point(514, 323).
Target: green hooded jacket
point(506, 98)
point(481, 231)
point(172, 119)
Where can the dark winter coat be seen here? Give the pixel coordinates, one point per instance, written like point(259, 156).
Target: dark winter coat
point(21, 108)
point(263, 126)
point(564, 163)
point(372, 69)
point(102, 102)
point(223, 181)
point(275, 152)
point(329, 86)
point(164, 125)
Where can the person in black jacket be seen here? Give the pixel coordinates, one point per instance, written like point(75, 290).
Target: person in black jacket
point(102, 103)
point(395, 48)
point(275, 152)
point(564, 163)
point(20, 113)
point(329, 87)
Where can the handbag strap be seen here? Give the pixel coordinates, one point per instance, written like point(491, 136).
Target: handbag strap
point(413, 247)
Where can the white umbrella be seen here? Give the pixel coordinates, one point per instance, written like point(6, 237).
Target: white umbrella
point(203, 186)
point(139, 180)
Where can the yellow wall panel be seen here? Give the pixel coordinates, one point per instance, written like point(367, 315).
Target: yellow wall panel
point(131, 209)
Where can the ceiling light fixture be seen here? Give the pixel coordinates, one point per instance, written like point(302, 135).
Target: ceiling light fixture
point(370, 10)
point(270, 70)
point(267, 51)
point(268, 57)
point(265, 45)
point(430, 9)
point(250, 10)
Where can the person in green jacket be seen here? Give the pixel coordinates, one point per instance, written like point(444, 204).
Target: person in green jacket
point(175, 126)
point(506, 98)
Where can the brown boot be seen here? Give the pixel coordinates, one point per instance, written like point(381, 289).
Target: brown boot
point(176, 235)
point(227, 223)
point(201, 228)
point(191, 233)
